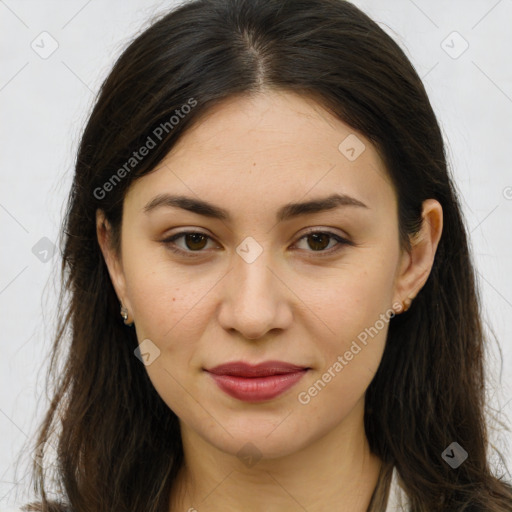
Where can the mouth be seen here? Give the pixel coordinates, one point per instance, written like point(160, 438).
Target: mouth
point(256, 383)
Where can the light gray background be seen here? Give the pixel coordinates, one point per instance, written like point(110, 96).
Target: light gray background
point(45, 101)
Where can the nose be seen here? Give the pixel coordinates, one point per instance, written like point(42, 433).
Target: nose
point(255, 300)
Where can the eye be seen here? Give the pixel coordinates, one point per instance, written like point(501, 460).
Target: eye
point(196, 241)
point(319, 241)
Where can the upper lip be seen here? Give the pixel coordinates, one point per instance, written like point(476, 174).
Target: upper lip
point(265, 369)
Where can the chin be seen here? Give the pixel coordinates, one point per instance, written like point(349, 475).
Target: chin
point(267, 439)
point(252, 448)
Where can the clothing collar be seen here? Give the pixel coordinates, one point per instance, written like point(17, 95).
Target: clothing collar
point(397, 500)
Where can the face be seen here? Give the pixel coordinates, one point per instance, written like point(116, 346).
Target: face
point(253, 276)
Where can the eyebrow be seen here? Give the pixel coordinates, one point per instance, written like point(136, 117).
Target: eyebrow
point(286, 212)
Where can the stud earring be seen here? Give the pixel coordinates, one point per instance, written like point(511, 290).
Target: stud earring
point(124, 314)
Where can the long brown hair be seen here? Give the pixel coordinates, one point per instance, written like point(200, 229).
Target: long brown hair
point(118, 444)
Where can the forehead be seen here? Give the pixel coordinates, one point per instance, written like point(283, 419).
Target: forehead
point(268, 149)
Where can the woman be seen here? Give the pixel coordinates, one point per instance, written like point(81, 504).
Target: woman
point(272, 305)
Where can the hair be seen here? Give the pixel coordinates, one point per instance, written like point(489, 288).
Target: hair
point(118, 444)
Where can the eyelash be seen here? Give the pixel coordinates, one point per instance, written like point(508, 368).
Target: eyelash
point(170, 243)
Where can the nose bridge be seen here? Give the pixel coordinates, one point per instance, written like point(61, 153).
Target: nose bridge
point(253, 279)
point(253, 303)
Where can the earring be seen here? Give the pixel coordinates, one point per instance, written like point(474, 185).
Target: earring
point(124, 314)
point(406, 304)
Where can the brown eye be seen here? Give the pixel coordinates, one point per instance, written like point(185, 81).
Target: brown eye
point(195, 241)
point(187, 243)
point(318, 241)
point(323, 242)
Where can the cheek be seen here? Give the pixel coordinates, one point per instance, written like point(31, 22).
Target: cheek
point(165, 304)
point(352, 298)
point(356, 309)
point(162, 296)
point(349, 363)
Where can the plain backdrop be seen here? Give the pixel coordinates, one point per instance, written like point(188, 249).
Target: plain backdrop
point(54, 55)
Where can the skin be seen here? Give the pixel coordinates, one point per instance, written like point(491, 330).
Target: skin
point(251, 155)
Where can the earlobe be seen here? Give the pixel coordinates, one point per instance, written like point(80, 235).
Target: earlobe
point(417, 264)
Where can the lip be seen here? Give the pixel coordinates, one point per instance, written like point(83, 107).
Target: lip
point(256, 383)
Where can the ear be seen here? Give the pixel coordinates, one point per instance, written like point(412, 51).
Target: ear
point(416, 264)
point(112, 259)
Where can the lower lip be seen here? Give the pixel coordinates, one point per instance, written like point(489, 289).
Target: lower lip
point(257, 389)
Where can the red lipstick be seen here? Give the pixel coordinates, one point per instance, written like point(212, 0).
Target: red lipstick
point(256, 383)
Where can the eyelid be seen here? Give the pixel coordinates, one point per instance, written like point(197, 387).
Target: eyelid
point(342, 241)
point(327, 231)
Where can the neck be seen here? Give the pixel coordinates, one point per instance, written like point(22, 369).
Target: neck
point(336, 471)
